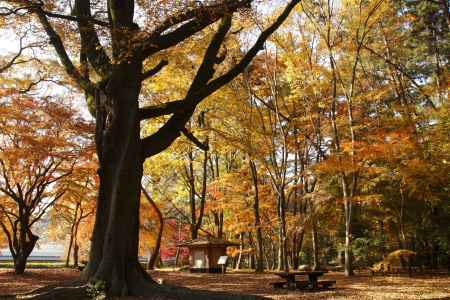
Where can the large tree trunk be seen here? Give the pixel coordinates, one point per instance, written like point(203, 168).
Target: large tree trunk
point(25, 245)
point(114, 248)
point(20, 261)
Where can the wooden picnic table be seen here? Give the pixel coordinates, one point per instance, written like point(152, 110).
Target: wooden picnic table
point(312, 277)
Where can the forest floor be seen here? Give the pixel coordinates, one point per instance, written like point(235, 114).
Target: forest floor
point(358, 287)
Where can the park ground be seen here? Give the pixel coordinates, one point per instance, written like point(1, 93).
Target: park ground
point(358, 287)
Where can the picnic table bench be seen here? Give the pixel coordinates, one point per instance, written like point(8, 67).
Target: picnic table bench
point(312, 283)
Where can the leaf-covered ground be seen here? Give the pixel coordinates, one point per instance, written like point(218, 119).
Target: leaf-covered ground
point(357, 287)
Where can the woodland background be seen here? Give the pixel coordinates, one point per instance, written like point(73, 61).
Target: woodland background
point(331, 149)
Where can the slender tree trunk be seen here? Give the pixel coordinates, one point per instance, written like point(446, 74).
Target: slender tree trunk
point(75, 241)
point(401, 219)
point(382, 239)
point(282, 247)
point(297, 248)
point(72, 233)
point(152, 260)
point(69, 249)
point(259, 245)
point(274, 258)
point(196, 221)
point(76, 249)
point(191, 179)
point(251, 255)
point(315, 244)
point(348, 265)
point(241, 249)
point(177, 257)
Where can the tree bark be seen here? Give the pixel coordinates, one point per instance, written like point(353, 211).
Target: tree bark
point(114, 248)
point(22, 254)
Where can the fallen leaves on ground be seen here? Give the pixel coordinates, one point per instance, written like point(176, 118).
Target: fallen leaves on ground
point(357, 287)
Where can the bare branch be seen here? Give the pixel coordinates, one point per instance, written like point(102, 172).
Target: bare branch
point(14, 59)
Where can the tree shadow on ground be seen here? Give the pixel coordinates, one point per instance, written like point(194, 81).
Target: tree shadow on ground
point(79, 291)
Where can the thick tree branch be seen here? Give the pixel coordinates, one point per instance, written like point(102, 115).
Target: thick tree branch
point(155, 70)
point(239, 68)
point(162, 139)
point(161, 109)
point(95, 52)
point(57, 43)
point(194, 13)
point(200, 89)
point(195, 21)
point(192, 138)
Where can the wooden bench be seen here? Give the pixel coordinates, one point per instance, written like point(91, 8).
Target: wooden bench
point(301, 284)
point(278, 284)
point(326, 283)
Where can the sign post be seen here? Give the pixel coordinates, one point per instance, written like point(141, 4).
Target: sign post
point(223, 262)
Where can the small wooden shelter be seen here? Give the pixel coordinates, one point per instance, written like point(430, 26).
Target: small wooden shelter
point(204, 253)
